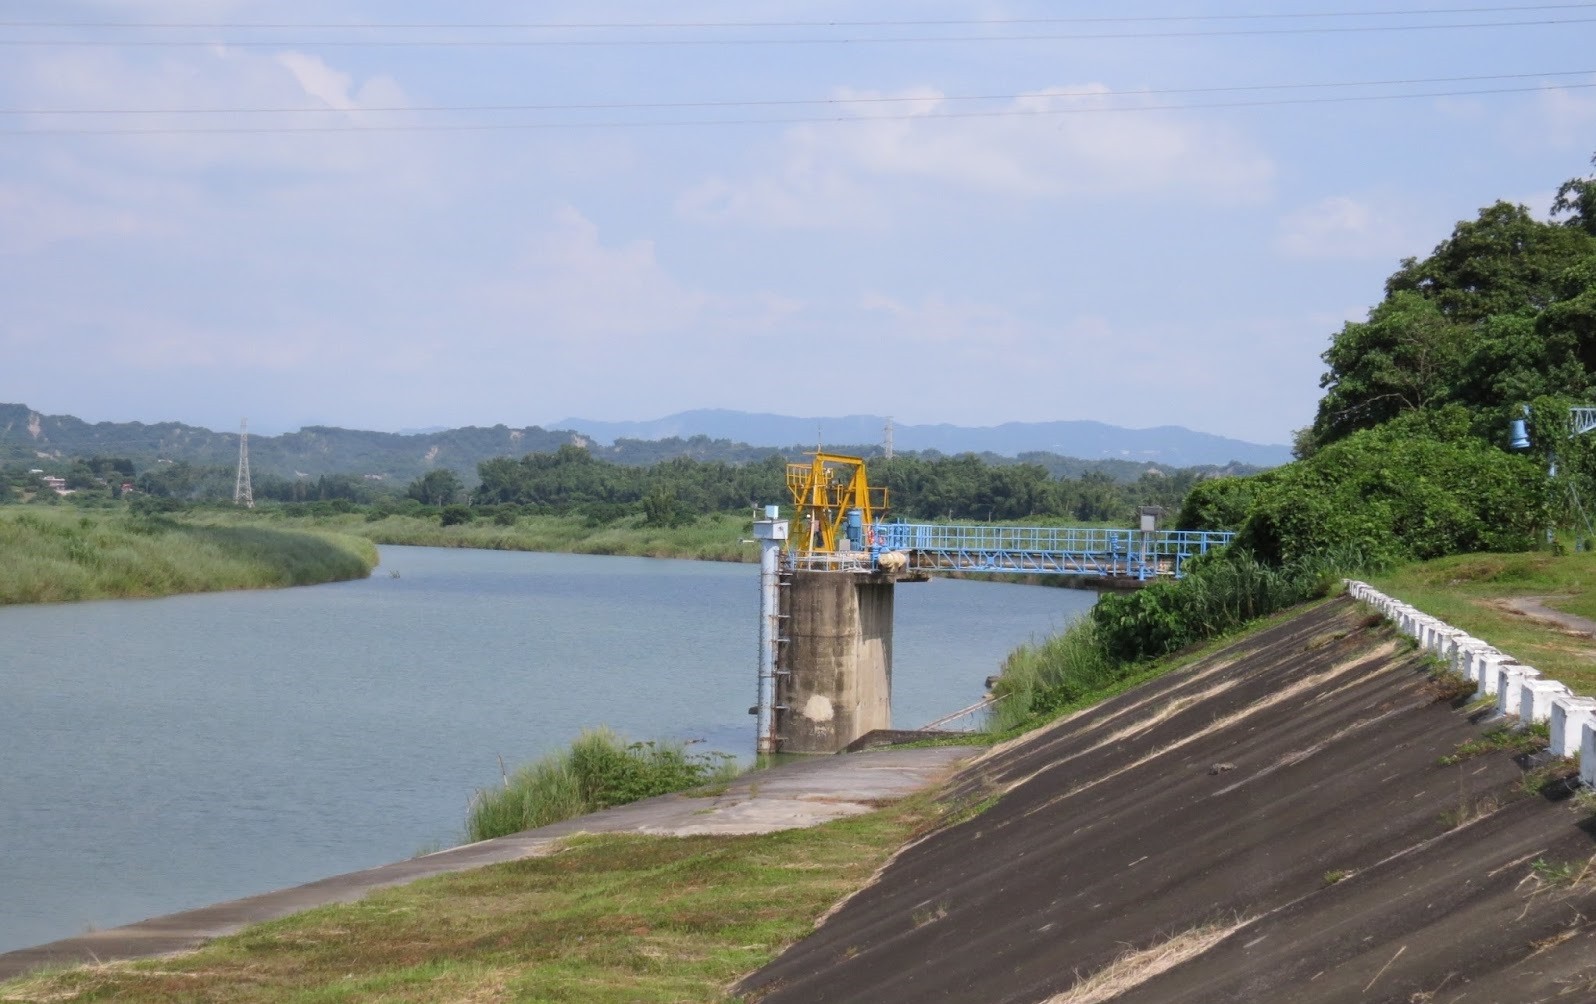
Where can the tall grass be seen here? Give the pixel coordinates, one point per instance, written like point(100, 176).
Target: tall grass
point(598, 771)
point(709, 538)
point(57, 555)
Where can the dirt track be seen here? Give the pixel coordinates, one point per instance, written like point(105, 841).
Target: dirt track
point(1285, 798)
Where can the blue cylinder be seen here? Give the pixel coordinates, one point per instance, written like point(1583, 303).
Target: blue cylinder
point(1519, 435)
point(856, 529)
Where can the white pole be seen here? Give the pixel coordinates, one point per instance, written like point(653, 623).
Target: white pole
point(771, 534)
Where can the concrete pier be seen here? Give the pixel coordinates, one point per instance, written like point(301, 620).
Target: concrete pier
point(834, 681)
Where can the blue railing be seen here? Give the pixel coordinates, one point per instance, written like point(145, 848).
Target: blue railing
point(1048, 550)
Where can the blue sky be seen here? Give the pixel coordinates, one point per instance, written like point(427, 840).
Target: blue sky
point(1041, 259)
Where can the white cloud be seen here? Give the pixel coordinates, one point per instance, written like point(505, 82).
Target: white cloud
point(1057, 143)
point(1340, 226)
point(568, 286)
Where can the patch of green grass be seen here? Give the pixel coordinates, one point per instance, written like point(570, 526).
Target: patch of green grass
point(607, 919)
point(1467, 591)
point(58, 554)
point(1561, 874)
point(1335, 875)
point(1502, 739)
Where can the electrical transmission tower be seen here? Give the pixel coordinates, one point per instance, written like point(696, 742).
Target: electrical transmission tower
point(243, 490)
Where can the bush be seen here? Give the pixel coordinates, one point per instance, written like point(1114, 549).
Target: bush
point(455, 515)
point(1416, 488)
point(599, 770)
point(1219, 594)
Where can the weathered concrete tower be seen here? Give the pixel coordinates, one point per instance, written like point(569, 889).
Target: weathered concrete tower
point(834, 674)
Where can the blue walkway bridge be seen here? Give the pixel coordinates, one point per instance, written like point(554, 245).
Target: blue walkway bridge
point(1044, 550)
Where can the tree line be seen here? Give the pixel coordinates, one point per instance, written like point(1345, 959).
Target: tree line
point(571, 479)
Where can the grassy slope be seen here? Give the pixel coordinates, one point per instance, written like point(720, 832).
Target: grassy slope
point(712, 538)
point(1467, 591)
point(54, 555)
point(615, 918)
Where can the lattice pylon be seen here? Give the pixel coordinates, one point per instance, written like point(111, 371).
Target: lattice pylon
point(243, 490)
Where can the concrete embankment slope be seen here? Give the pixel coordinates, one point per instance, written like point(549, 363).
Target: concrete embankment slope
point(1271, 823)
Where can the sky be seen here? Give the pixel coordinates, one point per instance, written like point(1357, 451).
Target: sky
point(1026, 212)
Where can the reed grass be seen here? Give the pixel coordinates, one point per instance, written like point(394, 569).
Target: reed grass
point(598, 771)
point(715, 537)
point(59, 555)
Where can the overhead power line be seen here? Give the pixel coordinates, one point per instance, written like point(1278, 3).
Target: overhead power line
point(860, 100)
point(834, 23)
point(499, 43)
point(789, 120)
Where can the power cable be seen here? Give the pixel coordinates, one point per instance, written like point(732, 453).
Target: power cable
point(792, 102)
point(875, 23)
point(792, 120)
point(862, 40)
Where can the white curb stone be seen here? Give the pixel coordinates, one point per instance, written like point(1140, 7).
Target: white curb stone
point(1570, 715)
point(1510, 686)
point(1535, 700)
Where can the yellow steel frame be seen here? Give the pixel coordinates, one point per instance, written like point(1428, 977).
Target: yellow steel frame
point(823, 492)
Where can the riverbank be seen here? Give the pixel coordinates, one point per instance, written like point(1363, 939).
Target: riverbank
point(55, 555)
point(716, 537)
point(586, 910)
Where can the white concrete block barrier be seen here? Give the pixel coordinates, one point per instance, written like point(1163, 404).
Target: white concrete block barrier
point(1570, 716)
point(1519, 690)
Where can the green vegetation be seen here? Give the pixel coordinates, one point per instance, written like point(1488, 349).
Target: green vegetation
point(1478, 593)
point(1406, 457)
point(599, 770)
point(606, 919)
point(55, 555)
point(1502, 739)
point(710, 538)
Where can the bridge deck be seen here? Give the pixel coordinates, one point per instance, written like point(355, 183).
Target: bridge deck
point(1108, 553)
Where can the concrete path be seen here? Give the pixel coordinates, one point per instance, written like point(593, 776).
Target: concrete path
point(791, 796)
point(1535, 608)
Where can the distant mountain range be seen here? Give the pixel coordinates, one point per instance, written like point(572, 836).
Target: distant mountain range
point(730, 437)
point(1166, 444)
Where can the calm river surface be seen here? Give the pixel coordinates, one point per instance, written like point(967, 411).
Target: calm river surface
point(157, 755)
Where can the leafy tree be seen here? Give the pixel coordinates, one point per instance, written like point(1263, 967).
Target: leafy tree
point(1577, 199)
point(1501, 312)
point(437, 487)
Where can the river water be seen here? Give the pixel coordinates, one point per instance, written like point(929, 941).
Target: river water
point(158, 755)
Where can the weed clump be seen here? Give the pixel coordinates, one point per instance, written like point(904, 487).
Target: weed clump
point(1504, 738)
point(598, 771)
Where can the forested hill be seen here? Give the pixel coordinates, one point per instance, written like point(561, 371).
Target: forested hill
point(314, 451)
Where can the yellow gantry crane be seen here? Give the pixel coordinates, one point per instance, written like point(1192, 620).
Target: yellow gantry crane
point(833, 504)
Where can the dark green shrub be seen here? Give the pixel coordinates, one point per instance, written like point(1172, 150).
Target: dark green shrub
point(1418, 487)
point(455, 515)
